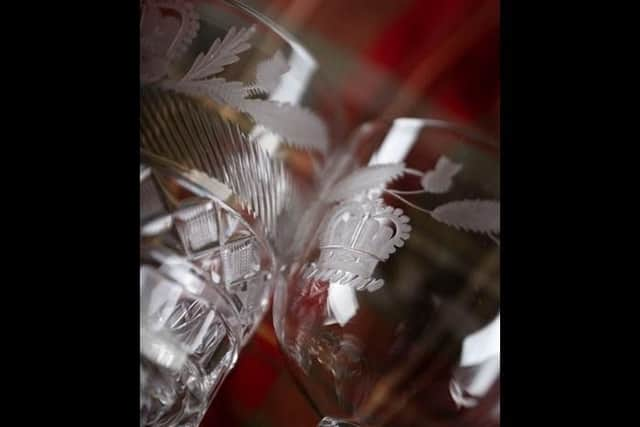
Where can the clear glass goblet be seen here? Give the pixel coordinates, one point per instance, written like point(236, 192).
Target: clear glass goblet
point(390, 315)
point(226, 92)
point(236, 128)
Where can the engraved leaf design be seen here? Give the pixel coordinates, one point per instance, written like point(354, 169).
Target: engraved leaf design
point(365, 179)
point(481, 216)
point(268, 74)
point(439, 179)
point(298, 126)
point(220, 54)
point(219, 90)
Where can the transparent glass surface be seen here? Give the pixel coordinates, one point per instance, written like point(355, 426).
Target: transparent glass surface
point(205, 277)
point(390, 315)
point(236, 128)
point(226, 92)
point(188, 339)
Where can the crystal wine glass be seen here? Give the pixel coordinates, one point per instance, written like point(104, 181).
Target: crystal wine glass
point(205, 282)
point(390, 314)
point(236, 126)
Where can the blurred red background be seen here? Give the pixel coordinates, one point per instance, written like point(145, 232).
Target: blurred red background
point(404, 57)
point(421, 58)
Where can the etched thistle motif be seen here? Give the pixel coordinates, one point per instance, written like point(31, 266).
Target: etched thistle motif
point(439, 180)
point(363, 231)
point(167, 30)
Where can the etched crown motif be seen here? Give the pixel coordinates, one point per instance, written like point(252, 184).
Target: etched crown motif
point(358, 235)
point(367, 227)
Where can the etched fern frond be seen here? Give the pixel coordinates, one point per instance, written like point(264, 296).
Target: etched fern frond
point(365, 179)
point(217, 89)
point(268, 74)
point(439, 179)
point(299, 127)
point(481, 216)
point(220, 54)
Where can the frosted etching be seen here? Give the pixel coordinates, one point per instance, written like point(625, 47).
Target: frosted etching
point(167, 30)
point(362, 231)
